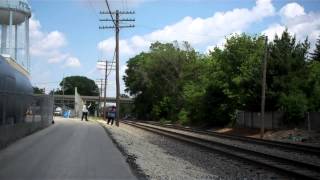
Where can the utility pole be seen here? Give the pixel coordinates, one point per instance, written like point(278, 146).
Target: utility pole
point(107, 68)
point(105, 90)
point(117, 28)
point(100, 94)
point(99, 81)
point(263, 95)
point(117, 69)
point(63, 94)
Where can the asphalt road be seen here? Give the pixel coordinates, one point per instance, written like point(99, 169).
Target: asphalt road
point(69, 149)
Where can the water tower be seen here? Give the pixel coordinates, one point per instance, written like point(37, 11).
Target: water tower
point(14, 30)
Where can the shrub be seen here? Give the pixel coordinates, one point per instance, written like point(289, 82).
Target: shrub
point(294, 105)
point(183, 117)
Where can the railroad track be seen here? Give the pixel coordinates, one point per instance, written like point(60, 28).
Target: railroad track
point(283, 145)
point(292, 167)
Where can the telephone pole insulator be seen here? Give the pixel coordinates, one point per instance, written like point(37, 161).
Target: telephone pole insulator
point(117, 26)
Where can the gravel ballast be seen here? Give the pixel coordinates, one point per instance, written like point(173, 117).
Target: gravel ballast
point(157, 157)
point(301, 156)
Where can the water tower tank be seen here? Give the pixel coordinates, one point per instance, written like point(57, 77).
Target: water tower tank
point(14, 26)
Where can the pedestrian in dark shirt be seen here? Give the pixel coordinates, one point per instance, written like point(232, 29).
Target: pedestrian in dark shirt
point(112, 115)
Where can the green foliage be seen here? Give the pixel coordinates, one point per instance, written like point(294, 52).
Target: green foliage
point(315, 56)
point(313, 90)
point(217, 106)
point(294, 105)
point(287, 71)
point(85, 86)
point(37, 90)
point(173, 82)
point(154, 78)
point(126, 110)
point(240, 66)
point(183, 117)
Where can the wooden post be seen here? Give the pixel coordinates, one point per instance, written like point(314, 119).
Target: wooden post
point(263, 95)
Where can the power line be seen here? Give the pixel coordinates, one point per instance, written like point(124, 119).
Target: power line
point(117, 28)
point(185, 33)
point(110, 12)
point(122, 5)
point(93, 8)
point(111, 64)
point(113, 61)
point(100, 93)
point(106, 68)
point(126, 4)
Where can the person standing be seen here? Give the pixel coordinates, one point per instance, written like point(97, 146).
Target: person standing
point(85, 112)
point(112, 115)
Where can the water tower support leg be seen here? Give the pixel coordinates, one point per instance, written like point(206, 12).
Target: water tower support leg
point(4, 30)
point(10, 34)
point(16, 42)
point(27, 44)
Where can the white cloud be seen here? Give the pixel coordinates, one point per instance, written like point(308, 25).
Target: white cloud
point(53, 40)
point(111, 88)
point(197, 31)
point(292, 10)
point(298, 22)
point(220, 44)
point(274, 29)
point(48, 45)
point(57, 57)
point(200, 32)
point(207, 33)
point(72, 62)
point(35, 27)
point(44, 43)
point(100, 5)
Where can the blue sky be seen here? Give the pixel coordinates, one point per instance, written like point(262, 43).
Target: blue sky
point(66, 39)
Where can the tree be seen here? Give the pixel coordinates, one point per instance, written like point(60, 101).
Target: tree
point(286, 77)
point(37, 90)
point(160, 71)
point(315, 56)
point(174, 82)
point(313, 90)
point(239, 66)
point(85, 86)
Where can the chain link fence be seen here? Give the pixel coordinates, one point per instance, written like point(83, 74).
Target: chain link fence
point(22, 114)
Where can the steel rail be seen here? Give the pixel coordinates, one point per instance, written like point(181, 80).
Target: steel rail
point(291, 167)
point(284, 145)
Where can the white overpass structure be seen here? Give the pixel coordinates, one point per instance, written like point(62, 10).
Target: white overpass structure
point(69, 99)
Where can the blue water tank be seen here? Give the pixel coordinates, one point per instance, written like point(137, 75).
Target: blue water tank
point(15, 93)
